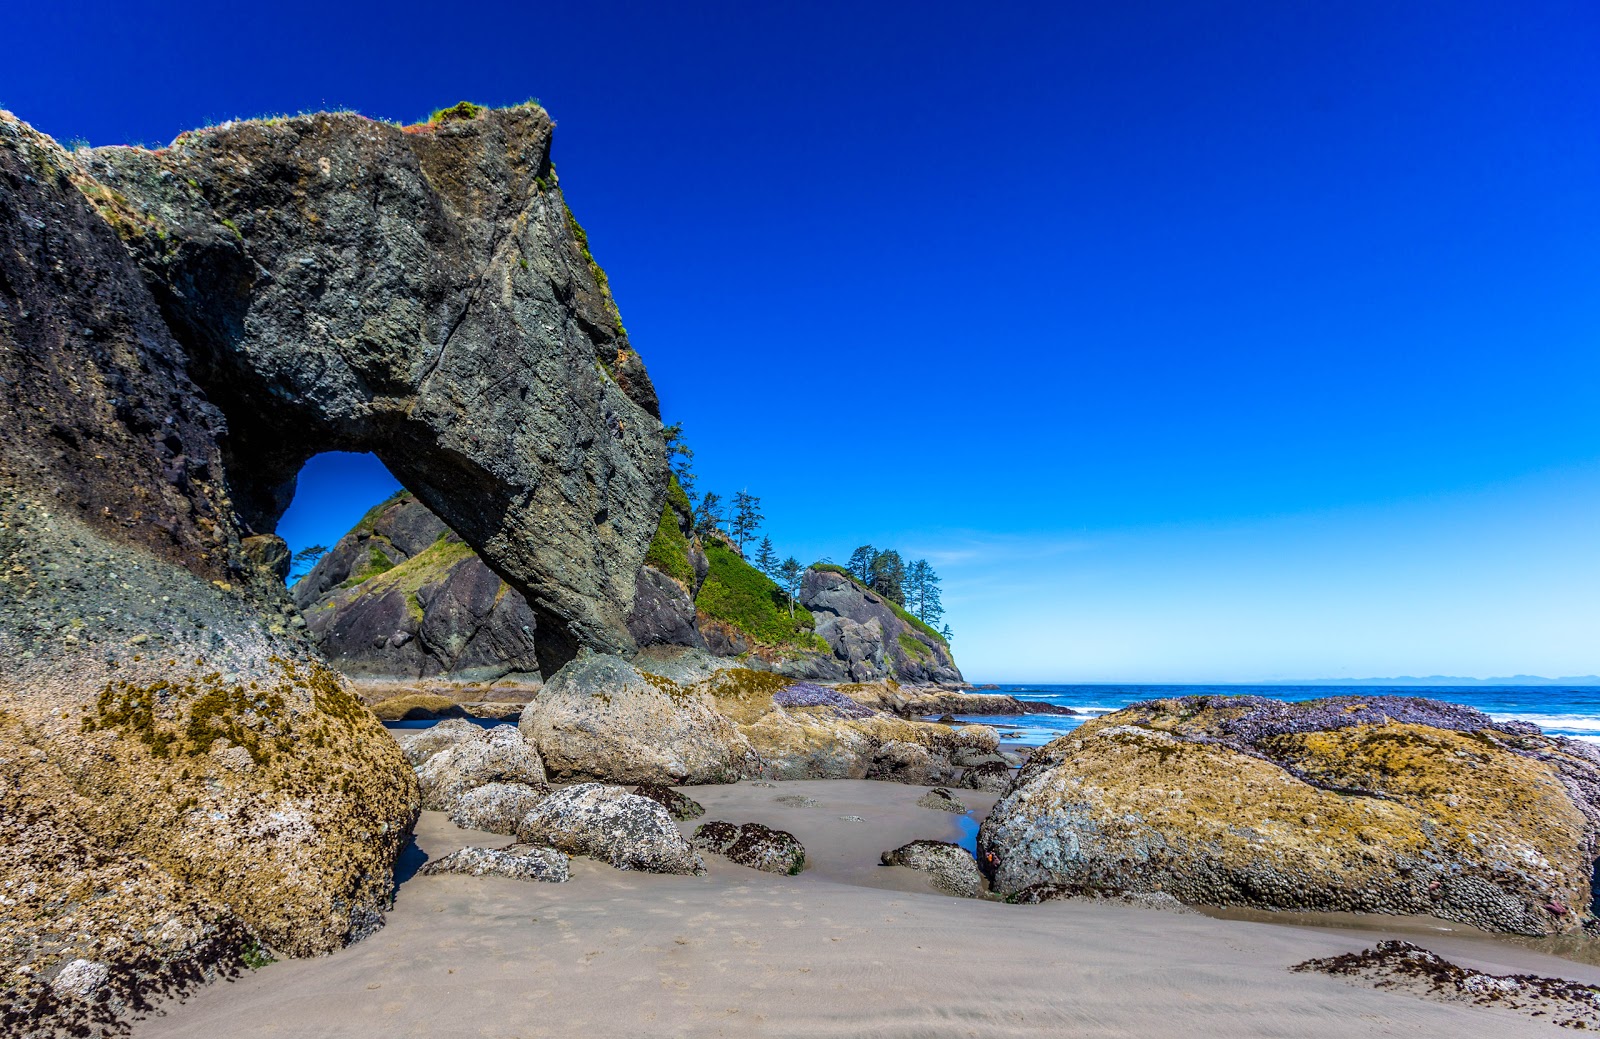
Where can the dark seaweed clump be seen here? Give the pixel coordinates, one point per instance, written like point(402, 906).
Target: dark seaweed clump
point(1393, 964)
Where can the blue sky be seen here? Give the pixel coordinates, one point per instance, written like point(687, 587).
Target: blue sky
point(1201, 341)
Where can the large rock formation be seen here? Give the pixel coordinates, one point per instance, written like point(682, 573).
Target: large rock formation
point(401, 596)
point(339, 283)
point(870, 635)
point(1371, 804)
point(181, 780)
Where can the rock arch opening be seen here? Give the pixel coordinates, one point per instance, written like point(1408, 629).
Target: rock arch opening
point(397, 595)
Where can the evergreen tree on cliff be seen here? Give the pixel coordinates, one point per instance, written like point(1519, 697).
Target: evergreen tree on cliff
point(680, 458)
point(887, 576)
point(708, 516)
point(767, 559)
point(860, 565)
point(922, 592)
point(746, 518)
point(789, 574)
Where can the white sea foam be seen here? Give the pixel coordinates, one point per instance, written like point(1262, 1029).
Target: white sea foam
point(1569, 723)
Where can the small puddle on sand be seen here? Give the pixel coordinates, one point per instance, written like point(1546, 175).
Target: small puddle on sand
point(969, 834)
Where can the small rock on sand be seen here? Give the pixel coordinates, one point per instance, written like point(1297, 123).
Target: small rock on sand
point(951, 867)
point(519, 862)
point(754, 845)
point(941, 800)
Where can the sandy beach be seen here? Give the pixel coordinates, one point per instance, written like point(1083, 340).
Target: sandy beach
point(848, 948)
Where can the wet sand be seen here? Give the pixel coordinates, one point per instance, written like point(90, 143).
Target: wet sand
point(848, 948)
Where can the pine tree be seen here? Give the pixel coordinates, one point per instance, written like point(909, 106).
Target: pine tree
point(680, 458)
point(789, 574)
point(887, 576)
point(860, 565)
point(305, 559)
point(746, 518)
point(922, 592)
point(708, 516)
point(767, 559)
point(946, 634)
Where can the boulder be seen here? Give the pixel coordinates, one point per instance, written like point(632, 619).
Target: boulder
point(951, 868)
point(497, 755)
point(679, 806)
point(1358, 804)
point(941, 800)
point(519, 862)
point(754, 845)
point(496, 807)
point(610, 824)
point(599, 718)
point(975, 740)
point(993, 776)
point(901, 762)
point(421, 744)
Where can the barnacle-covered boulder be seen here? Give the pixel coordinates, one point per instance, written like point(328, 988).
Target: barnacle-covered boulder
point(497, 755)
point(1371, 804)
point(754, 845)
point(610, 824)
point(497, 807)
point(950, 867)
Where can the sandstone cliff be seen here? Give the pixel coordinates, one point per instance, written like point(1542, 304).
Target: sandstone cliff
point(183, 783)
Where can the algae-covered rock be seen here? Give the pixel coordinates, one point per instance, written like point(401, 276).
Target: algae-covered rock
point(754, 845)
point(1370, 804)
point(992, 776)
point(610, 824)
point(497, 807)
point(417, 707)
point(942, 800)
point(496, 755)
point(599, 718)
point(800, 731)
point(951, 868)
point(681, 806)
point(519, 862)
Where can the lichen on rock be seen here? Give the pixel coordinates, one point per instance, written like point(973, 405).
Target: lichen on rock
point(1371, 804)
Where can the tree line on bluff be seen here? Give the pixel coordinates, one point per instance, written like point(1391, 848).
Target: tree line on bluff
point(914, 587)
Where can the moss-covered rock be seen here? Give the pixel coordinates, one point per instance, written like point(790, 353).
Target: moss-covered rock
point(1372, 804)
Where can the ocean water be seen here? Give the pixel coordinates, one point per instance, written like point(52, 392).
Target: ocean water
point(1564, 711)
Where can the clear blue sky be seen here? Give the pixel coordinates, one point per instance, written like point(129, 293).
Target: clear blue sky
point(1205, 341)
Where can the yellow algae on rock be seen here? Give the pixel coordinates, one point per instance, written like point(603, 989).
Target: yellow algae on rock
point(1330, 805)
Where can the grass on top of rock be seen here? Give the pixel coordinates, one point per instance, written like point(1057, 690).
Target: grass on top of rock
point(461, 111)
point(899, 611)
point(424, 568)
point(739, 594)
